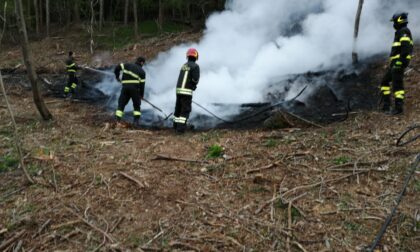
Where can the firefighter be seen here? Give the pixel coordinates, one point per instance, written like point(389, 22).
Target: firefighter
point(187, 83)
point(133, 80)
point(71, 68)
point(401, 54)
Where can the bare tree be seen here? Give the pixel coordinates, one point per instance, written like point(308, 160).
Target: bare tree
point(36, 16)
point(136, 22)
point(355, 57)
point(76, 11)
point(16, 137)
point(160, 16)
point(126, 12)
point(27, 56)
point(47, 16)
point(101, 14)
point(92, 22)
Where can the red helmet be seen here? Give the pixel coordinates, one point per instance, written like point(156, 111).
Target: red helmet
point(192, 52)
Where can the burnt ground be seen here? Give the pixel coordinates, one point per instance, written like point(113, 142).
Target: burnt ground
point(100, 187)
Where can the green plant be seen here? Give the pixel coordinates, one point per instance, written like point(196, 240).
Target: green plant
point(352, 226)
point(341, 160)
point(215, 151)
point(417, 185)
point(7, 162)
point(270, 143)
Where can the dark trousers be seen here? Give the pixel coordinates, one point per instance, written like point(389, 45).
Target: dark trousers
point(182, 111)
point(129, 92)
point(396, 77)
point(72, 83)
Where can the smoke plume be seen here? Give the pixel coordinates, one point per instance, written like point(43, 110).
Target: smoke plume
point(253, 44)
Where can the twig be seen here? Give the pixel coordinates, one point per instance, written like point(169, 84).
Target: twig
point(359, 164)
point(41, 228)
point(7, 195)
point(18, 246)
point(289, 225)
point(297, 244)
point(178, 244)
point(70, 223)
point(154, 238)
point(140, 184)
point(3, 231)
point(277, 198)
point(117, 223)
point(267, 167)
point(6, 243)
point(110, 238)
point(168, 158)
point(350, 210)
point(322, 182)
point(302, 119)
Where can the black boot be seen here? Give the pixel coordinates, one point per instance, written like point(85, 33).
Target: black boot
point(399, 107)
point(136, 122)
point(386, 99)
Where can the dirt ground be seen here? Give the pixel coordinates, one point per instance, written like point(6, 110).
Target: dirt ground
point(106, 188)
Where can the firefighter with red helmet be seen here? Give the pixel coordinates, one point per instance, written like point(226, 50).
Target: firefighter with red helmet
point(187, 83)
point(401, 54)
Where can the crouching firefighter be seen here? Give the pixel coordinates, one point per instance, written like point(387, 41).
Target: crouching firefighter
point(401, 54)
point(187, 83)
point(71, 69)
point(133, 80)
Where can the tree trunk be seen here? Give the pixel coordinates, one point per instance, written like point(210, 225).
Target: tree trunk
point(355, 56)
point(47, 16)
point(126, 12)
point(36, 17)
point(136, 21)
point(76, 12)
point(92, 21)
point(160, 18)
point(101, 14)
point(27, 56)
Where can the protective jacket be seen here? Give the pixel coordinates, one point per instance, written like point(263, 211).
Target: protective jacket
point(71, 69)
point(71, 66)
point(133, 80)
point(188, 78)
point(402, 48)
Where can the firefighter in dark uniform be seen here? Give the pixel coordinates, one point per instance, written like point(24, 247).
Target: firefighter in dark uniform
point(401, 54)
point(71, 68)
point(187, 83)
point(133, 80)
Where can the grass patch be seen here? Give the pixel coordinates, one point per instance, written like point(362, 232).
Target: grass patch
point(8, 162)
point(215, 151)
point(417, 185)
point(34, 169)
point(341, 160)
point(352, 226)
point(271, 143)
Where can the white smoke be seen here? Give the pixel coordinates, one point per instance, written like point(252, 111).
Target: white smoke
point(254, 43)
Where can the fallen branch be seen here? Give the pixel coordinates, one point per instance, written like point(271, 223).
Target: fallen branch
point(359, 164)
point(302, 119)
point(70, 223)
point(322, 182)
point(117, 223)
point(351, 210)
point(140, 184)
point(267, 167)
point(289, 225)
point(108, 236)
point(6, 243)
point(178, 244)
point(297, 244)
point(41, 228)
point(168, 158)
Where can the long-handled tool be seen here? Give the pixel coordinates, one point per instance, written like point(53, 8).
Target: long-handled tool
point(98, 71)
point(158, 109)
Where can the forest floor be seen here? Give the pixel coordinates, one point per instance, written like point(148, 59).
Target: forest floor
point(105, 188)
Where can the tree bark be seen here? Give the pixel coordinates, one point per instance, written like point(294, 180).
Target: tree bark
point(47, 16)
point(355, 56)
point(27, 56)
point(136, 22)
point(36, 16)
point(101, 14)
point(76, 12)
point(126, 12)
point(160, 17)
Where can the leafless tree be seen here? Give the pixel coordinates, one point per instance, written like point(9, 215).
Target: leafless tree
point(355, 57)
point(27, 56)
point(136, 21)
